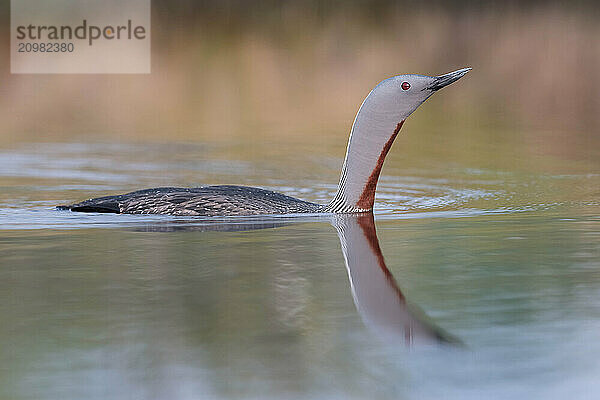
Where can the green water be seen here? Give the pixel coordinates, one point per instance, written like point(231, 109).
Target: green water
point(500, 250)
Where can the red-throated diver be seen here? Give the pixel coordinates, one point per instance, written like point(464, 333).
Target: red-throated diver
point(375, 127)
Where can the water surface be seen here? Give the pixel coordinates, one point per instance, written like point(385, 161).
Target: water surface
point(478, 279)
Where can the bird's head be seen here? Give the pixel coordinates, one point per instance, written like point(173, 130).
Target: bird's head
point(405, 93)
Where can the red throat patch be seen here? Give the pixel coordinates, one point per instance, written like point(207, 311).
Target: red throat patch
point(367, 197)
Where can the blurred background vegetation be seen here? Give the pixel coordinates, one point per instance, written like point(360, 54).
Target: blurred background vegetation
point(227, 69)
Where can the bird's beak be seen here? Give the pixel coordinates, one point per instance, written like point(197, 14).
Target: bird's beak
point(444, 80)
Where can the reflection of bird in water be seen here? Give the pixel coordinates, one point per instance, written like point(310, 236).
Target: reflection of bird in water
point(375, 127)
point(378, 298)
point(376, 294)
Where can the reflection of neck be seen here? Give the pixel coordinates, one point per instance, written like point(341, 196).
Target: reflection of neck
point(376, 294)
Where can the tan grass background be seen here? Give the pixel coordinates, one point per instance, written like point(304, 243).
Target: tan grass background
point(288, 70)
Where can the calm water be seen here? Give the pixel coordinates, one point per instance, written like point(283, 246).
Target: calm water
point(490, 286)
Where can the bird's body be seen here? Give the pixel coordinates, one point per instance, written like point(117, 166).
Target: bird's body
point(375, 127)
point(202, 201)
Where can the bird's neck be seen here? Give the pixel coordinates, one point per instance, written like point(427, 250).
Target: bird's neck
point(372, 135)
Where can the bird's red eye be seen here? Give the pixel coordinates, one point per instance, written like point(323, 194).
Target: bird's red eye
point(405, 85)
